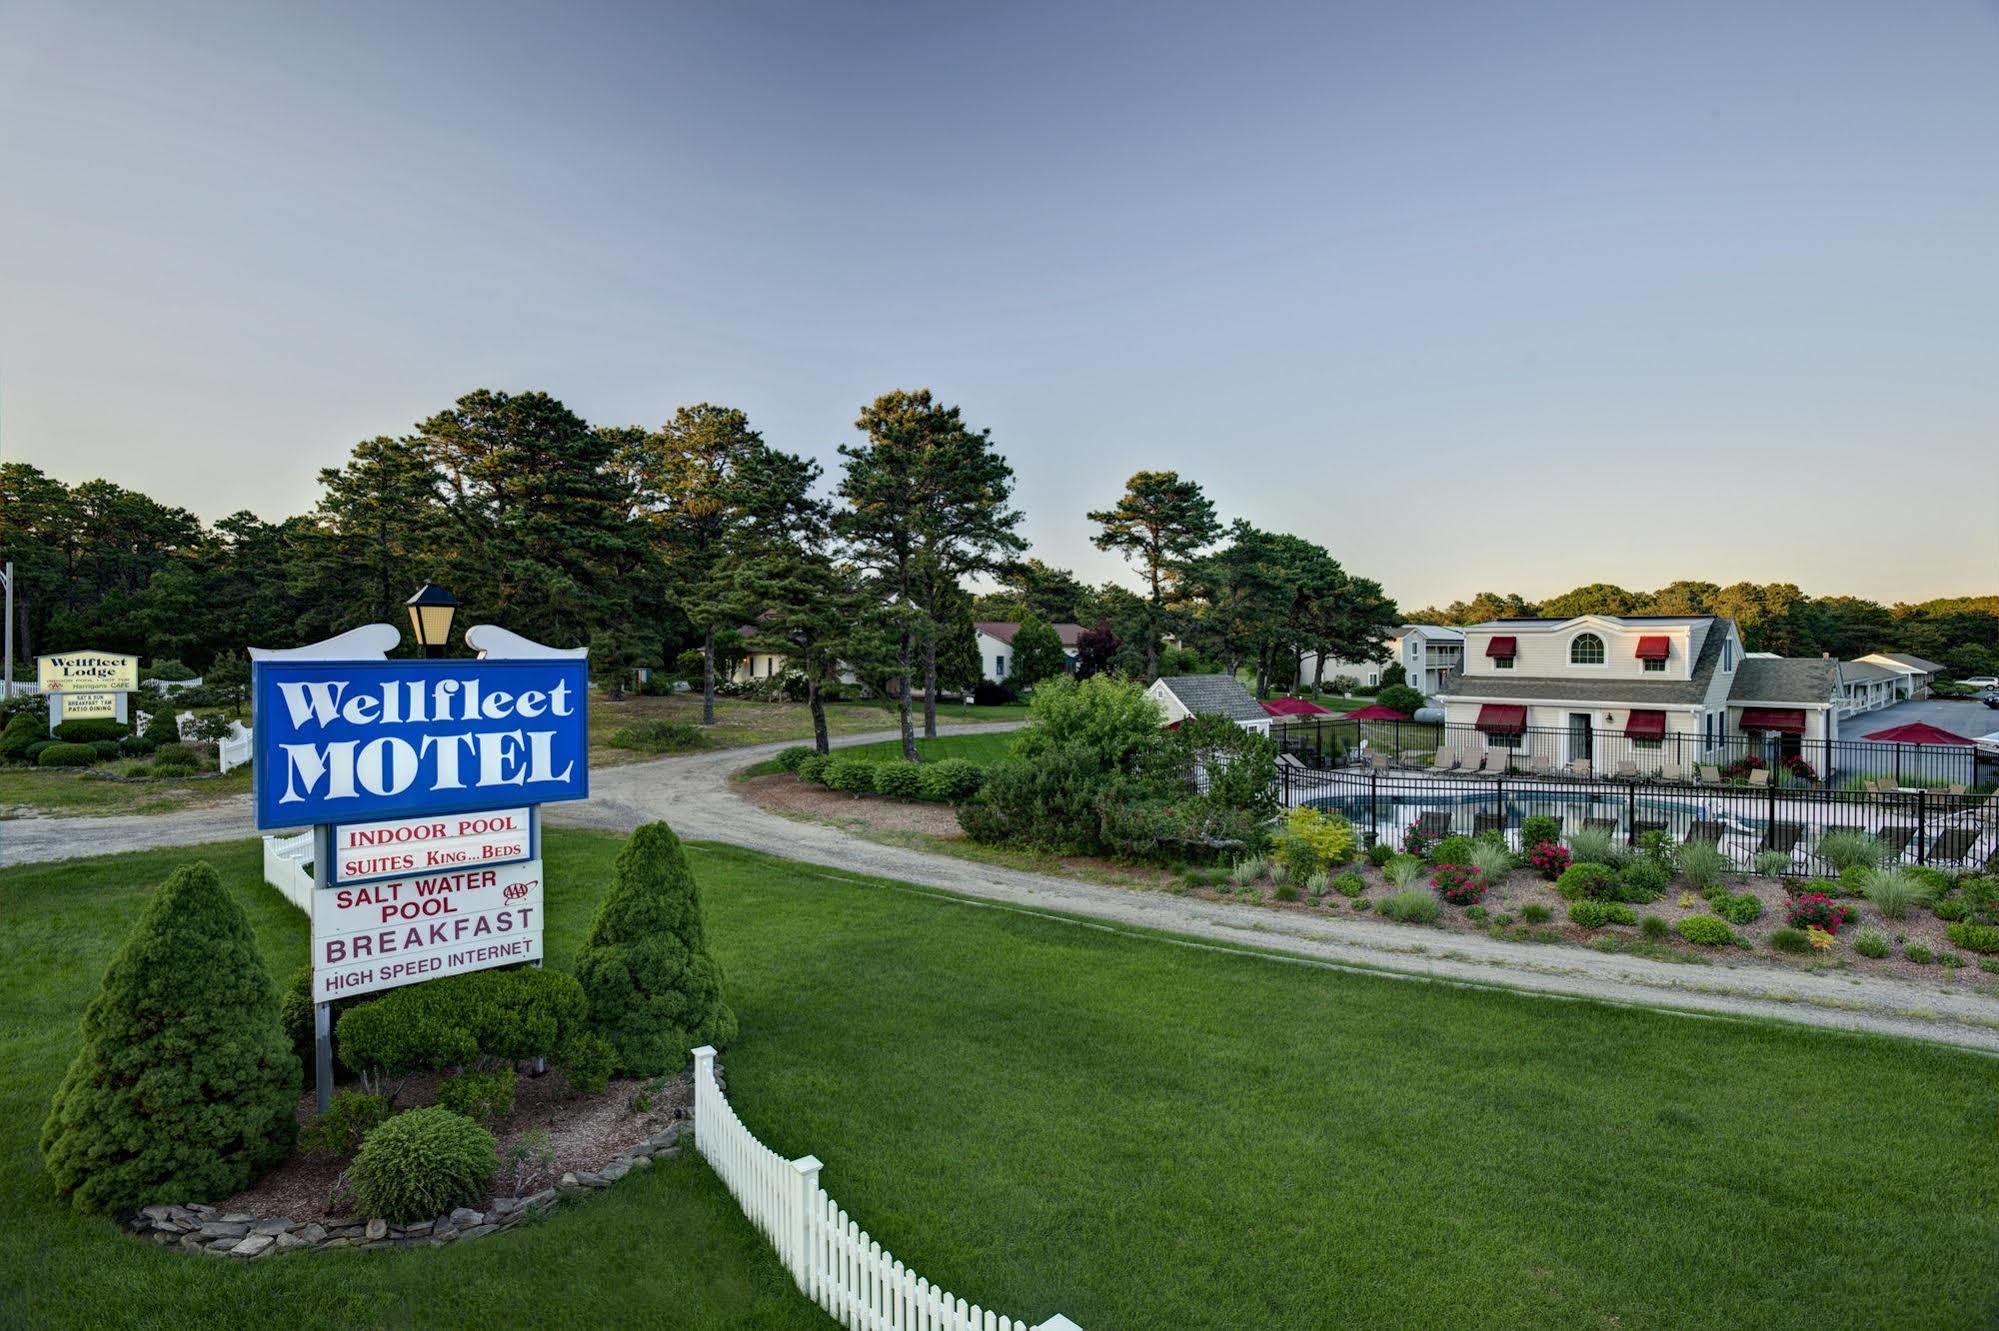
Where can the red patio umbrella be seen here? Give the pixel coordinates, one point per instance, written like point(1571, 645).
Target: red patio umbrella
point(1374, 711)
point(1917, 732)
point(1295, 707)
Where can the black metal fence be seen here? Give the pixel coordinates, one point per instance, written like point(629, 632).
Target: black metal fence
point(1745, 823)
point(1331, 742)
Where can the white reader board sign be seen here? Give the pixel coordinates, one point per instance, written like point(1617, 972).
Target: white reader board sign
point(372, 936)
point(402, 847)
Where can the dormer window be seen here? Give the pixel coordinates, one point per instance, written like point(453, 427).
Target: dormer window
point(1586, 649)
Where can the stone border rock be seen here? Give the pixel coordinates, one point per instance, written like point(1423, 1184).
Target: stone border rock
point(196, 1227)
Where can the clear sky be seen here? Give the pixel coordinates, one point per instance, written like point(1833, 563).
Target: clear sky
point(1479, 295)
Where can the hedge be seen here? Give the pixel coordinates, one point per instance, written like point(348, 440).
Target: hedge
point(61, 754)
point(458, 1021)
point(1981, 938)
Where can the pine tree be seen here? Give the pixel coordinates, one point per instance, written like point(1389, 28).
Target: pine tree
point(185, 1086)
point(1037, 652)
point(655, 992)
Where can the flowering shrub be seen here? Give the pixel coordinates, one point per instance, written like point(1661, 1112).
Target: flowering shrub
point(1817, 910)
point(1459, 884)
point(1416, 842)
point(1549, 860)
point(1740, 769)
point(1323, 839)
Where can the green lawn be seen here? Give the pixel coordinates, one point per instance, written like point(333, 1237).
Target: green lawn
point(1129, 1131)
point(739, 722)
point(74, 792)
point(980, 749)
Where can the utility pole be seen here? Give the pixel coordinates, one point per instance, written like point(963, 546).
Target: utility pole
point(7, 689)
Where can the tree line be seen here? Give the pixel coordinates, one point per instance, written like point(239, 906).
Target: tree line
point(684, 546)
point(1961, 633)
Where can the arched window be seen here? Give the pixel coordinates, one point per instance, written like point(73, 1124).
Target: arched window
point(1586, 649)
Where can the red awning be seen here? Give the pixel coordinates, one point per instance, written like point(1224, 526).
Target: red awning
point(1645, 725)
point(1502, 647)
point(1499, 718)
point(1916, 732)
point(1783, 720)
point(1295, 707)
point(1654, 649)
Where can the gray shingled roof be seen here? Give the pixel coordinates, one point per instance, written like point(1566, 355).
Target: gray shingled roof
point(1913, 662)
point(1639, 692)
point(1862, 670)
point(1215, 695)
point(1802, 679)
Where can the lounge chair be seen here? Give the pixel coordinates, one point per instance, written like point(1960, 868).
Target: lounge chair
point(1290, 760)
point(1601, 825)
point(1953, 845)
point(1488, 822)
point(1435, 826)
point(1759, 777)
point(1377, 760)
point(1781, 837)
point(1956, 788)
point(1541, 765)
point(1627, 770)
point(1580, 767)
point(1896, 837)
point(1673, 772)
point(1644, 825)
point(1702, 829)
point(1710, 774)
point(1446, 761)
point(1498, 762)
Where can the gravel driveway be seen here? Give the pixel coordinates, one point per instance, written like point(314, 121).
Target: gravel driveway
point(694, 794)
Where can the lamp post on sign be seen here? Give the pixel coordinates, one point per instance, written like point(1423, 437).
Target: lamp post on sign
point(431, 610)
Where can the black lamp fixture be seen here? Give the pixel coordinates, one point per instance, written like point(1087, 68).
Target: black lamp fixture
point(431, 610)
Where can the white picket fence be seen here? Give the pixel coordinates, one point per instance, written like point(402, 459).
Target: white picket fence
point(233, 750)
point(285, 860)
point(831, 1257)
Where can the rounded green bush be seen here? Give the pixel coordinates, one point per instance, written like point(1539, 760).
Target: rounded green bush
point(483, 1097)
point(421, 1165)
point(787, 760)
point(1452, 850)
point(1655, 928)
point(1870, 943)
point(1540, 830)
point(813, 767)
point(1380, 853)
point(898, 780)
point(175, 752)
point(1596, 881)
point(107, 749)
point(22, 730)
point(1350, 884)
point(1535, 913)
point(88, 730)
point(852, 775)
point(952, 779)
point(1643, 880)
point(1705, 930)
point(1591, 914)
point(67, 755)
point(1414, 906)
point(1794, 941)
point(1980, 938)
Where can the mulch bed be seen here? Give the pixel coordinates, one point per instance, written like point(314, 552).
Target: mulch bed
point(585, 1133)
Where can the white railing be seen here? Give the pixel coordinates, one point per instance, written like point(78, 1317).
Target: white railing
point(285, 860)
point(831, 1257)
point(233, 750)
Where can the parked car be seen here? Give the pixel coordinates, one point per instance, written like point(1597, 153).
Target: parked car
point(1981, 682)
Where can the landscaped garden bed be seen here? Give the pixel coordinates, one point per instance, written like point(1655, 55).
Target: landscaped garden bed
point(1675, 901)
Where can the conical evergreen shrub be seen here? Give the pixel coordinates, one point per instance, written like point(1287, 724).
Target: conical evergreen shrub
point(654, 991)
point(185, 1086)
